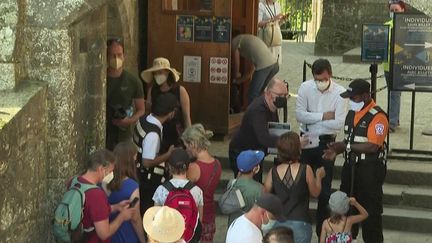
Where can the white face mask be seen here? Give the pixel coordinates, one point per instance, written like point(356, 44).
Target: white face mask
point(108, 178)
point(160, 78)
point(115, 63)
point(391, 15)
point(322, 85)
point(356, 106)
point(269, 225)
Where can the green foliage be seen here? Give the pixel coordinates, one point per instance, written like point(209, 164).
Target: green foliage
point(300, 12)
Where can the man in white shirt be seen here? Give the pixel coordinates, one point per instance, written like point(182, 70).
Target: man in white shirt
point(321, 111)
point(247, 228)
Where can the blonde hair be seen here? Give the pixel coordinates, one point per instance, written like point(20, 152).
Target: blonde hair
point(197, 136)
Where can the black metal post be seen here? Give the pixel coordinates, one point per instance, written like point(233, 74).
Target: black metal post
point(412, 120)
point(304, 70)
point(373, 69)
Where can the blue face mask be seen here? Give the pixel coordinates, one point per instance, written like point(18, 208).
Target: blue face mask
point(356, 106)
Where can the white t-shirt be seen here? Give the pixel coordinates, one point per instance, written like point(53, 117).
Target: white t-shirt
point(161, 192)
point(151, 142)
point(265, 11)
point(243, 230)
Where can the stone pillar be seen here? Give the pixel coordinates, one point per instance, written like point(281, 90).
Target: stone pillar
point(342, 24)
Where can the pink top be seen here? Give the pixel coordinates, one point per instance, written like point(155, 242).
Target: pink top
point(209, 187)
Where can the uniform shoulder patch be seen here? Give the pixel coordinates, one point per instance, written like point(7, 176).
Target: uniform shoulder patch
point(379, 129)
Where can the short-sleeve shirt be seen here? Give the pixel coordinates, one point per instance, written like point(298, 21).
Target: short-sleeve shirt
point(124, 89)
point(255, 50)
point(161, 192)
point(378, 128)
point(243, 230)
point(151, 143)
point(96, 208)
point(251, 191)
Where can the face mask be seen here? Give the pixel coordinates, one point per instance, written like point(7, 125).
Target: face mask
point(280, 102)
point(116, 63)
point(160, 78)
point(322, 85)
point(391, 15)
point(108, 178)
point(356, 106)
point(267, 227)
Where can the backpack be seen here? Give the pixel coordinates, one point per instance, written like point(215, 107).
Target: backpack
point(182, 200)
point(67, 225)
point(232, 200)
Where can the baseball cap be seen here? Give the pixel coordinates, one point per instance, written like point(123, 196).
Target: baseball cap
point(248, 159)
point(179, 158)
point(356, 87)
point(272, 204)
point(339, 202)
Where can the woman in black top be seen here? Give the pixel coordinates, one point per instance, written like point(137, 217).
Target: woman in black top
point(163, 79)
point(293, 183)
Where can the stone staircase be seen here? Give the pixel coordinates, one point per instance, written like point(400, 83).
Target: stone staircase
point(407, 197)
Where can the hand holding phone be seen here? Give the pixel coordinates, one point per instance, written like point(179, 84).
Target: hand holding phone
point(134, 202)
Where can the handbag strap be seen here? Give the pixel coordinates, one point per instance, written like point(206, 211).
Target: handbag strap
point(212, 174)
point(272, 14)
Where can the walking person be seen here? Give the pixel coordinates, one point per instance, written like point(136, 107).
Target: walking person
point(363, 173)
point(321, 111)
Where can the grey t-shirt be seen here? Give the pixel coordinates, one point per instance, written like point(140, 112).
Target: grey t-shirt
point(255, 50)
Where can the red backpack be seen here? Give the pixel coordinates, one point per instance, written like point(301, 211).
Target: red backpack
point(182, 200)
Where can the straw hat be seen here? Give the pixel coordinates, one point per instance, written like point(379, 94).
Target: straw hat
point(159, 63)
point(163, 224)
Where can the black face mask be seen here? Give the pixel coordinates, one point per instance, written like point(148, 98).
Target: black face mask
point(280, 102)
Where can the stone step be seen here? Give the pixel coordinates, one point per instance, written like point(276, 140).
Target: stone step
point(394, 195)
point(412, 173)
point(394, 218)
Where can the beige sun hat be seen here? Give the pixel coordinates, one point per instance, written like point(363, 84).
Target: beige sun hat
point(163, 224)
point(159, 63)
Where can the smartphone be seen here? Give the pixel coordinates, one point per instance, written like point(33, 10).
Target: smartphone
point(134, 202)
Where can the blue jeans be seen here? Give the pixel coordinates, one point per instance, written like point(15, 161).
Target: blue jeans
point(302, 230)
point(260, 79)
point(394, 103)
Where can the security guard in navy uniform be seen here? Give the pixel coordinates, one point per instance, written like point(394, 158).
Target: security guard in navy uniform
point(363, 173)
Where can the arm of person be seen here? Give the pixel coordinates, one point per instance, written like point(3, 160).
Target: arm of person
point(377, 132)
point(201, 212)
point(259, 125)
point(261, 9)
point(302, 113)
point(136, 219)
point(149, 147)
point(185, 105)
point(323, 232)
point(236, 61)
point(363, 214)
point(193, 172)
point(148, 102)
point(117, 207)
point(105, 229)
point(247, 74)
point(314, 184)
point(139, 110)
point(340, 115)
point(268, 183)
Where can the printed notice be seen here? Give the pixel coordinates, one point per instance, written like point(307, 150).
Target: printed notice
point(221, 29)
point(219, 70)
point(184, 28)
point(192, 69)
point(203, 28)
point(375, 43)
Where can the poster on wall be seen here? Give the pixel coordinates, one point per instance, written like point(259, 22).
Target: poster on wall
point(412, 53)
point(192, 69)
point(374, 46)
point(218, 70)
point(184, 28)
point(221, 29)
point(203, 28)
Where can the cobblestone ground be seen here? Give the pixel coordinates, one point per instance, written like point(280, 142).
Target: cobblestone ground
point(292, 71)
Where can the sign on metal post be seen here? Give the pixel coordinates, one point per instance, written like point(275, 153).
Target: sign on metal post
point(375, 43)
point(412, 53)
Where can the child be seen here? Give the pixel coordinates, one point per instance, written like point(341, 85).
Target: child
point(337, 228)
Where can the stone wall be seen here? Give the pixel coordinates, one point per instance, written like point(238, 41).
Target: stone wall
point(342, 22)
point(62, 46)
point(23, 167)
